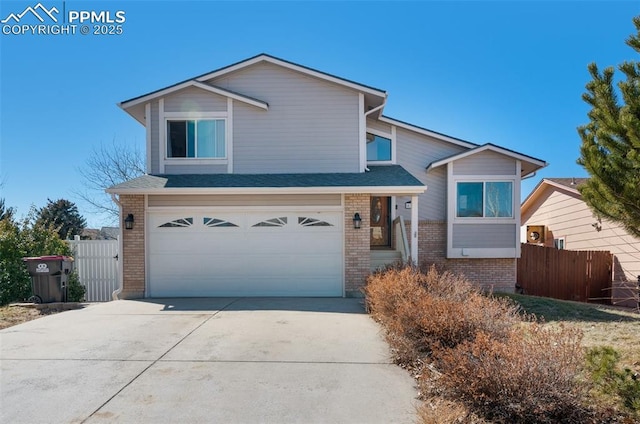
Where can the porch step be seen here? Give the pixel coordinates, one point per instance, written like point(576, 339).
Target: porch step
point(382, 258)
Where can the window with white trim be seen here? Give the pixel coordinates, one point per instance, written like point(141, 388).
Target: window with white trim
point(378, 148)
point(484, 199)
point(196, 138)
point(559, 243)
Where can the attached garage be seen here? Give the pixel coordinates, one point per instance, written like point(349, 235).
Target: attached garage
point(221, 252)
point(230, 235)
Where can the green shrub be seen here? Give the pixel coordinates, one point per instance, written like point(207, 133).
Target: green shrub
point(15, 283)
point(602, 365)
point(75, 290)
point(20, 239)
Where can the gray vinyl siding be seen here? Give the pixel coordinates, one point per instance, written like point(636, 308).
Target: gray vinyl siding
point(194, 99)
point(485, 163)
point(414, 153)
point(377, 125)
point(241, 200)
point(311, 125)
point(195, 169)
point(485, 236)
point(155, 138)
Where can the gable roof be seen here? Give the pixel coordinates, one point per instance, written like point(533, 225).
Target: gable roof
point(529, 163)
point(567, 185)
point(200, 82)
point(263, 57)
point(427, 132)
point(380, 179)
point(571, 183)
point(193, 83)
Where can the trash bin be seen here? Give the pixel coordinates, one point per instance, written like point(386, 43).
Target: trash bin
point(49, 275)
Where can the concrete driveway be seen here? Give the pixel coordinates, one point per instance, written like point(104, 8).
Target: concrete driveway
point(203, 360)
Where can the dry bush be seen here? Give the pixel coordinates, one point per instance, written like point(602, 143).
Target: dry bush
point(439, 411)
point(528, 377)
point(425, 312)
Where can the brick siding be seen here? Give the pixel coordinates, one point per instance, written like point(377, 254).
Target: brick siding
point(357, 256)
point(133, 247)
point(497, 274)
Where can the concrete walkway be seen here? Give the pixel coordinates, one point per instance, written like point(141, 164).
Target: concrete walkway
point(203, 361)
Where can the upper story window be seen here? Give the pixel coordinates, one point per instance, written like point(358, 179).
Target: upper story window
point(196, 138)
point(378, 148)
point(488, 199)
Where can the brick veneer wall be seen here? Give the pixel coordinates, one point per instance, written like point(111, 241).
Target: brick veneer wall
point(497, 274)
point(133, 248)
point(357, 255)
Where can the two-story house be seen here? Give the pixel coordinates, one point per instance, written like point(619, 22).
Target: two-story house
point(268, 178)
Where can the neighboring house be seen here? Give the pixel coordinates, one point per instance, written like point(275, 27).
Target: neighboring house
point(268, 178)
point(564, 220)
point(104, 233)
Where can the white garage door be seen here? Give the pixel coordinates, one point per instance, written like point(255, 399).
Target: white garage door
point(222, 253)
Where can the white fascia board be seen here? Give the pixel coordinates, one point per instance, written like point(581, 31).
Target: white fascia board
point(161, 93)
point(539, 190)
point(561, 187)
point(307, 71)
point(491, 147)
point(423, 131)
point(395, 190)
point(197, 84)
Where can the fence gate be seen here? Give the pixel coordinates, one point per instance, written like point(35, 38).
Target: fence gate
point(565, 274)
point(97, 266)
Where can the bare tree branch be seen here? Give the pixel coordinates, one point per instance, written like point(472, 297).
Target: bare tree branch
point(107, 166)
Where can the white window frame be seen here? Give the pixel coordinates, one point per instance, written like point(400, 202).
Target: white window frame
point(560, 239)
point(391, 136)
point(452, 220)
point(181, 116)
point(483, 218)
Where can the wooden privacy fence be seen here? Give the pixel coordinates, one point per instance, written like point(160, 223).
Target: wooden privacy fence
point(97, 266)
point(565, 274)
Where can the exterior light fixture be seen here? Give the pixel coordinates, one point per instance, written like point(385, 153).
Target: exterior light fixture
point(357, 221)
point(128, 222)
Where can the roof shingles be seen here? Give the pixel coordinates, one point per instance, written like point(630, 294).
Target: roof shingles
point(378, 176)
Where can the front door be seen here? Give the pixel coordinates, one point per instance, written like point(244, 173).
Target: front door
point(380, 222)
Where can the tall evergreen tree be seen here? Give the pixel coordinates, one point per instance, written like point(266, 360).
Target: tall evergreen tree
point(63, 216)
point(610, 150)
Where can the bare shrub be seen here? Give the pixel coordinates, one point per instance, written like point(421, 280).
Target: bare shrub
point(439, 411)
point(425, 312)
point(528, 377)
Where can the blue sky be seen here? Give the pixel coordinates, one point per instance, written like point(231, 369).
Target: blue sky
point(510, 73)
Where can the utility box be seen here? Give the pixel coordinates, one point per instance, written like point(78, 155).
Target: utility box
point(49, 276)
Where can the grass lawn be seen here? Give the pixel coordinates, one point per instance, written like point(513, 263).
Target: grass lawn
point(602, 325)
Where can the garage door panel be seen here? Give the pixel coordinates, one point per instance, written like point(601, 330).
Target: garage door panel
point(299, 255)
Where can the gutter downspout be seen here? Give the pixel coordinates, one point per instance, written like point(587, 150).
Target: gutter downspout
point(117, 291)
point(375, 109)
